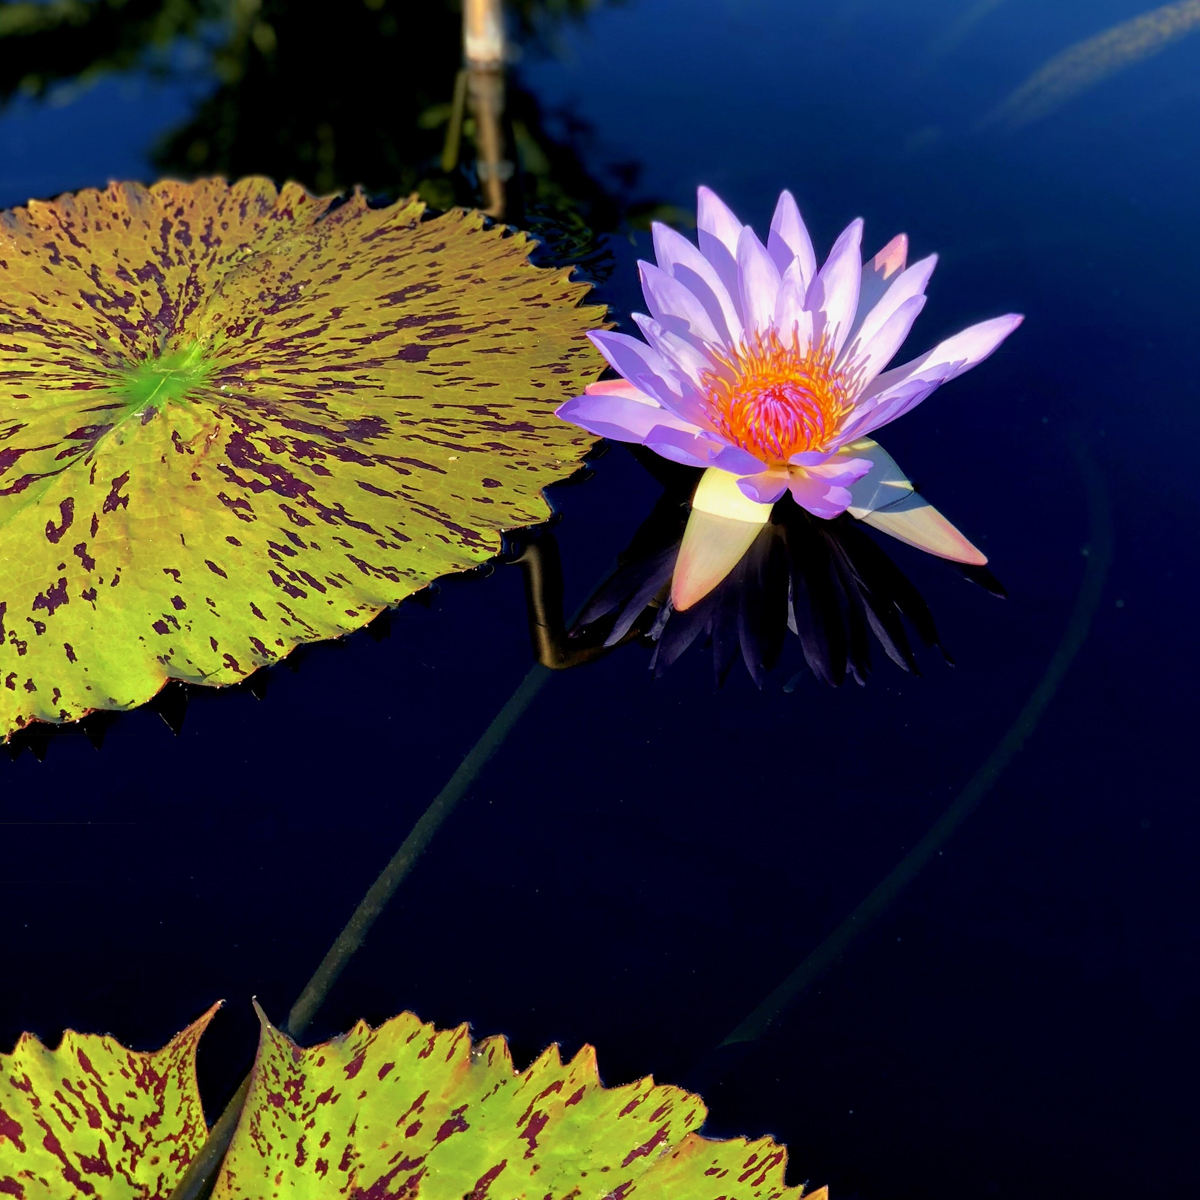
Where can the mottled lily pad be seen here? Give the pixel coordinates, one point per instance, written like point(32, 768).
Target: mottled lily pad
point(402, 1110)
point(234, 419)
point(94, 1119)
point(408, 1110)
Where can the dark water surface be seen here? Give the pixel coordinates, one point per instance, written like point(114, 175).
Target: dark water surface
point(645, 861)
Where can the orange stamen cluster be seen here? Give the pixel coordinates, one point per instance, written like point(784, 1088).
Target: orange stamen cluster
point(774, 400)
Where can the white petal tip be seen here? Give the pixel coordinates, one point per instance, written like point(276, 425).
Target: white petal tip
point(919, 524)
point(712, 546)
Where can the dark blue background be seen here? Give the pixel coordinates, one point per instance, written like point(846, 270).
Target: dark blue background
point(644, 861)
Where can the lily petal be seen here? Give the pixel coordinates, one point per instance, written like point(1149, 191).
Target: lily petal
point(765, 487)
point(904, 287)
point(901, 389)
point(621, 418)
point(811, 458)
point(678, 257)
point(918, 523)
point(881, 410)
point(789, 241)
point(618, 387)
point(682, 353)
point(759, 280)
point(833, 296)
point(696, 448)
point(723, 524)
point(956, 354)
point(792, 320)
point(642, 365)
point(673, 304)
point(888, 338)
point(825, 490)
point(886, 500)
point(883, 486)
point(715, 222)
point(718, 231)
point(878, 273)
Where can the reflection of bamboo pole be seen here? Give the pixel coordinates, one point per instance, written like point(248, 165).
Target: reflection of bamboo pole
point(486, 92)
point(483, 34)
point(483, 50)
point(1086, 63)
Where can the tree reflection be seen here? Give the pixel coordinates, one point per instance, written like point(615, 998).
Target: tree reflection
point(334, 96)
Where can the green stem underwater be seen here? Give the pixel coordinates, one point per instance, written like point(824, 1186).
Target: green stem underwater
point(200, 1176)
point(881, 897)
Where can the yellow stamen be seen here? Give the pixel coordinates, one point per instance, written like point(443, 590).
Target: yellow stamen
point(774, 400)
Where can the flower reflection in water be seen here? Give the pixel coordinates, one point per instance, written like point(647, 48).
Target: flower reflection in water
point(828, 582)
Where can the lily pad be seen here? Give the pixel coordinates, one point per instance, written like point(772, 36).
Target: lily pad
point(235, 419)
point(94, 1119)
point(401, 1110)
point(407, 1110)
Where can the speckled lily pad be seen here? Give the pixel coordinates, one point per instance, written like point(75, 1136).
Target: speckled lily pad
point(408, 1110)
point(404, 1110)
point(92, 1119)
point(235, 419)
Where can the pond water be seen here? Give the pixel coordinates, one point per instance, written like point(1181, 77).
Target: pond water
point(646, 860)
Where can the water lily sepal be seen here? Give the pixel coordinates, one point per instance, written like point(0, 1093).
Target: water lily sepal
point(724, 522)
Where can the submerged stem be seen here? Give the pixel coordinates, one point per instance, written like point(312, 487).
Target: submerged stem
point(200, 1175)
point(881, 897)
point(544, 598)
point(380, 892)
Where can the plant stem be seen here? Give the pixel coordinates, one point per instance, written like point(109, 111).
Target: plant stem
point(201, 1174)
point(411, 848)
point(881, 897)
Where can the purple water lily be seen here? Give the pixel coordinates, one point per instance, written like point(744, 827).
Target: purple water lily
point(770, 373)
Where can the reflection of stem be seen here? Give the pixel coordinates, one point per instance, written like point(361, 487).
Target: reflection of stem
point(454, 126)
point(542, 566)
point(486, 91)
point(1099, 556)
point(411, 848)
point(195, 1182)
point(483, 50)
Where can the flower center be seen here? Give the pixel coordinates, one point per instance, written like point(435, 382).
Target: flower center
point(774, 400)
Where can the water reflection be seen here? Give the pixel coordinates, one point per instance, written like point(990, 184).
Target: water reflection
point(1089, 62)
point(827, 582)
point(957, 32)
point(369, 94)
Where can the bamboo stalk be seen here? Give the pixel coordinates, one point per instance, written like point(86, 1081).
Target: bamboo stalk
point(483, 52)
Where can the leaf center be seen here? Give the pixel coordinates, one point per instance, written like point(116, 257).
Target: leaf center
point(168, 378)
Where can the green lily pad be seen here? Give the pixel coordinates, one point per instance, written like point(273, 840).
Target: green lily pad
point(404, 1110)
point(408, 1110)
point(92, 1119)
point(235, 419)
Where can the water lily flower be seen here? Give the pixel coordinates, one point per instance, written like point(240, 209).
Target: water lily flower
point(771, 373)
